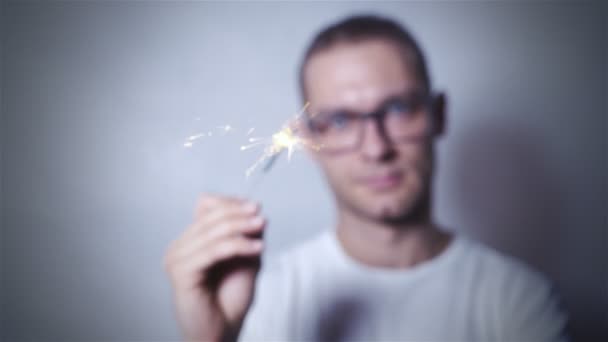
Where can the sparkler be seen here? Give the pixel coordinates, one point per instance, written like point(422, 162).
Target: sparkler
point(288, 138)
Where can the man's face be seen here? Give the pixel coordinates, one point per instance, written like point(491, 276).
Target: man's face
point(380, 179)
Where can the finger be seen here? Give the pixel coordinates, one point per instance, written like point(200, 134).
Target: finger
point(249, 212)
point(223, 250)
point(219, 217)
point(208, 202)
point(225, 230)
point(230, 211)
point(221, 212)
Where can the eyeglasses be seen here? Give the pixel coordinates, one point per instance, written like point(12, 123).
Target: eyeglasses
point(401, 118)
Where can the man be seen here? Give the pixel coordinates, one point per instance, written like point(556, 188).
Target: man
point(386, 272)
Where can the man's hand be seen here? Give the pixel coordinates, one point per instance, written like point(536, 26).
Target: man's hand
point(213, 266)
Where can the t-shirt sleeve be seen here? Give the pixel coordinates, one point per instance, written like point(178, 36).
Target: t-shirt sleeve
point(532, 311)
point(267, 316)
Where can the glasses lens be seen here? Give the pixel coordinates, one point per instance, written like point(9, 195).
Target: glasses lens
point(335, 131)
point(406, 120)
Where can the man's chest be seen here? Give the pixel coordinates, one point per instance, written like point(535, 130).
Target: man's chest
point(341, 307)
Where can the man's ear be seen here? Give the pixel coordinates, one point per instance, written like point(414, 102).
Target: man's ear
point(439, 114)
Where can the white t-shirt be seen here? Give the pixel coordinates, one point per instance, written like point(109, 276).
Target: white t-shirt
point(469, 292)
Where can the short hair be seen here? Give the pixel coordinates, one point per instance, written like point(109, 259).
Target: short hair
point(367, 27)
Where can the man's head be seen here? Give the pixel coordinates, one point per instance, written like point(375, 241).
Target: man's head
point(380, 167)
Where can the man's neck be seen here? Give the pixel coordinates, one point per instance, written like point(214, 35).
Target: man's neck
point(379, 244)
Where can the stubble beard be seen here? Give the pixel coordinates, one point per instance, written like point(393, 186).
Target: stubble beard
point(416, 213)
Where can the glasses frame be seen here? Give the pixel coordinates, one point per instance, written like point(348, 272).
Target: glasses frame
point(379, 115)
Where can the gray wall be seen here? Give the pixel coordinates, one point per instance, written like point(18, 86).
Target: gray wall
point(98, 97)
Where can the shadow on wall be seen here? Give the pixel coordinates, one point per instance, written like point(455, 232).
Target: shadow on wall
point(508, 195)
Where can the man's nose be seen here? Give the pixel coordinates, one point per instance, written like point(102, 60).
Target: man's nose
point(375, 144)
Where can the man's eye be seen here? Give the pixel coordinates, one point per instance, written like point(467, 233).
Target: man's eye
point(338, 121)
point(398, 108)
point(324, 124)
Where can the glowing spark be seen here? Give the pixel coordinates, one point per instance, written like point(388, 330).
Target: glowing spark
point(190, 140)
point(286, 138)
point(250, 130)
point(196, 136)
point(225, 129)
point(246, 147)
point(220, 130)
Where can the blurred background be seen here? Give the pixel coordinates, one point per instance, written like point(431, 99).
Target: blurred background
point(98, 98)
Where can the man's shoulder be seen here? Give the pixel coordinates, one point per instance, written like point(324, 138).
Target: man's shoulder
point(500, 268)
point(524, 299)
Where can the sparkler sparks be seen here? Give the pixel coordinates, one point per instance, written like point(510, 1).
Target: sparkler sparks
point(220, 130)
point(287, 138)
point(190, 141)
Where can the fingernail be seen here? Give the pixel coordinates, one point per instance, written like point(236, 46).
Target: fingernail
point(251, 207)
point(256, 221)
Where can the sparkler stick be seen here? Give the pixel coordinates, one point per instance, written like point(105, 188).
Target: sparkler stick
point(265, 170)
point(270, 162)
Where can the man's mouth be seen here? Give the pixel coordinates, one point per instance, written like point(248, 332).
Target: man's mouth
point(382, 181)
